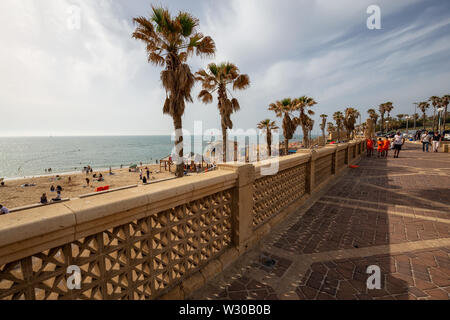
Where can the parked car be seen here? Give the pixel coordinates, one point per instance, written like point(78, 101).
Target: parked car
point(446, 135)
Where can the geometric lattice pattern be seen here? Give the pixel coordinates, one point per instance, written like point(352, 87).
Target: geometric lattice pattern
point(341, 158)
point(138, 260)
point(323, 169)
point(271, 194)
point(353, 151)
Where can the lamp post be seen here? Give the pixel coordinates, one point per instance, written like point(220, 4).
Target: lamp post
point(415, 112)
point(387, 126)
point(407, 120)
point(440, 110)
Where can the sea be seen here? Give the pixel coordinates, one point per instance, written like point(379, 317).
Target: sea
point(30, 156)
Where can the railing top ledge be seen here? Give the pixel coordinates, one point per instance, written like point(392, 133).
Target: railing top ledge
point(35, 227)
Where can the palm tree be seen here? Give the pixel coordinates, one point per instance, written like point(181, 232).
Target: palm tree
point(302, 105)
point(435, 101)
point(388, 107)
point(351, 115)
point(267, 126)
point(339, 118)
point(170, 41)
point(330, 127)
point(445, 101)
point(423, 106)
point(309, 127)
point(283, 109)
point(382, 109)
point(323, 125)
point(374, 117)
point(217, 78)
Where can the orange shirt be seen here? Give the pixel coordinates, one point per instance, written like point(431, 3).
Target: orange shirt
point(380, 145)
point(386, 144)
point(369, 143)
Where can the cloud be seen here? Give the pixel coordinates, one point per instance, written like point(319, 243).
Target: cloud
point(96, 80)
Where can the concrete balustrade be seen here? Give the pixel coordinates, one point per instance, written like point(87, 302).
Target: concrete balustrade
point(159, 241)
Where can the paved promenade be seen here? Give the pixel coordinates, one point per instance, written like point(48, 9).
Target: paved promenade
point(392, 213)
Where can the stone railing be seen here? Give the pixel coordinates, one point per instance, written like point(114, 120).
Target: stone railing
point(157, 241)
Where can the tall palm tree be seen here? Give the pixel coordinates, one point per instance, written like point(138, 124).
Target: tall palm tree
point(323, 125)
point(338, 117)
point(423, 106)
point(374, 117)
point(170, 41)
point(330, 127)
point(445, 101)
point(350, 117)
point(309, 127)
point(388, 107)
point(436, 102)
point(283, 110)
point(217, 78)
point(268, 125)
point(302, 105)
point(382, 109)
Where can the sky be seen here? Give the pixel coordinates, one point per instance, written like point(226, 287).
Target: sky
point(61, 78)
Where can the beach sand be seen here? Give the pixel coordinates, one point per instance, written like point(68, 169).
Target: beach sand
point(13, 195)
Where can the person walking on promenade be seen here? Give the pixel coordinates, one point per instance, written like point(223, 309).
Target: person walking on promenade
point(380, 148)
point(436, 140)
point(386, 145)
point(425, 139)
point(369, 147)
point(399, 140)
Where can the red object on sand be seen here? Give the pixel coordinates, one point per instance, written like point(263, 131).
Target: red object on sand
point(353, 166)
point(106, 188)
point(99, 189)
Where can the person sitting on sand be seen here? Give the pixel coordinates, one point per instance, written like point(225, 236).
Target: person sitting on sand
point(144, 180)
point(59, 188)
point(52, 188)
point(44, 199)
point(3, 210)
point(87, 182)
point(100, 178)
point(58, 196)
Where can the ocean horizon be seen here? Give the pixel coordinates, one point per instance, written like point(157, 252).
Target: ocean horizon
point(30, 156)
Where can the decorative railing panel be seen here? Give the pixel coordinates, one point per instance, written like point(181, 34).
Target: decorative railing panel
point(341, 158)
point(323, 169)
point(138, 260)
point(271, 194)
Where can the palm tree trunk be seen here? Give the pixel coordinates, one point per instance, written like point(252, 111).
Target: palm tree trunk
point(224, 143)
point(286, 146)
point(179, 172)
point(434, 118)
point(424, 120)
point(269, 143)
point(305, 136)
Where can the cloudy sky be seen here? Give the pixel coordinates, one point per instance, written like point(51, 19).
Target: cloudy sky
point(95, 80)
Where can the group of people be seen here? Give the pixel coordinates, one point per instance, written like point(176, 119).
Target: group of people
point(426, 138)
point(145, 178)
point(384, 144)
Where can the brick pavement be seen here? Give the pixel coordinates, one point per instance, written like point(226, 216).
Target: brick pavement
point(393, 213)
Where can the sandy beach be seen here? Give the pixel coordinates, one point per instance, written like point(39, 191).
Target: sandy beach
point(14, 194)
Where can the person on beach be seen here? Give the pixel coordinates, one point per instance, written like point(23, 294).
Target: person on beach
point(399, 140)
point(59, 188)
point(148, 174)
point(100, 178)
point(87, 182)
point(144, 180)
point(436, 141)
point(44, 199)
point(425, 139)
point(380, 148)
point(58, 197)
point(140, 174)
point(3, 210)
point(369, 147)
point(52, 188)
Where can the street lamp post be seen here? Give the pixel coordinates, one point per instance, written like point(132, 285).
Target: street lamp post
point(439, 119)
point(407, 120)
